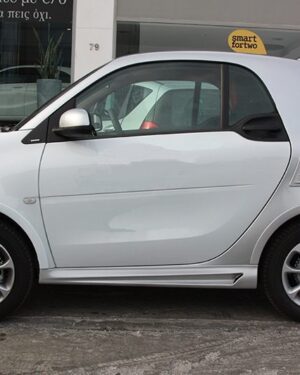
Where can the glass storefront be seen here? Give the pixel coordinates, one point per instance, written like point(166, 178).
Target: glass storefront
point(35, 43)
point(133, 37)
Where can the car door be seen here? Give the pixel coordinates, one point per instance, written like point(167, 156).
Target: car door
point(180, 191)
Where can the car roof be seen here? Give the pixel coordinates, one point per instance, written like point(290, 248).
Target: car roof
point(230, 57)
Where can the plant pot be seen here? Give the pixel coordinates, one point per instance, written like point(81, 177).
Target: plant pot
point(47, 89)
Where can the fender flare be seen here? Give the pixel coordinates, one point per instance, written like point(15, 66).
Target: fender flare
point(36, 234)
point(270, 230)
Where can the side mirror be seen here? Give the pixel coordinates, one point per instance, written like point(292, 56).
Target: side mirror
point(75, 124)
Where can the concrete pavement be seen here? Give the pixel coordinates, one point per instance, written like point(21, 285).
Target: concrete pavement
point(143, 331)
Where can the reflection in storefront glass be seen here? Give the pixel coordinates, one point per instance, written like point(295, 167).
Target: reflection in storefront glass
point(21, 45)
point(134, 37)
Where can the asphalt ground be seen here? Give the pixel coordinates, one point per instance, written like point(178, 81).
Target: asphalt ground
point(126, 331)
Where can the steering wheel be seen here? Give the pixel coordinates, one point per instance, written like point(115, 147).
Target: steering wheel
point(96, 115)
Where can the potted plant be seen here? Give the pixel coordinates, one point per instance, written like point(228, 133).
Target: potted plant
point(48, 66)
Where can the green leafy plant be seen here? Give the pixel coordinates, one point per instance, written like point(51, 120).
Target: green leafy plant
point(50, 56)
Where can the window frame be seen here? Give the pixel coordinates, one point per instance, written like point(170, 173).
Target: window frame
point(224, 110)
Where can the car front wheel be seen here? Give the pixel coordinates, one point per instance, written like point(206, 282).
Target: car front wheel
point(280, 271)
point(16, 269)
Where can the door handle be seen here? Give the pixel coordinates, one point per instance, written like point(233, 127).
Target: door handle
point(262, 123)
point(262, 126)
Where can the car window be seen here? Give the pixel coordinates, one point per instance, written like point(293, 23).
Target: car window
point(28, 75)
point(178, 96)
point(173, 110)
point(247, 96)
point(210, 103)
point(124, 100)
point(19, 75)
point(136, 94)
point(158, 97)
point(9, 76)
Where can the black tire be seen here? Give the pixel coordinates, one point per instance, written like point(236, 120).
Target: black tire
point(273, 261)
point(20, 280)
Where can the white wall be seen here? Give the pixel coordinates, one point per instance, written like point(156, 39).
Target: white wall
point(93, 24)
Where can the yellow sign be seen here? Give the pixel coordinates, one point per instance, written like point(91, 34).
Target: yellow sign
point(246, 41)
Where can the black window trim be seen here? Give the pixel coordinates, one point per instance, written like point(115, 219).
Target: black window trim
point(224, 121)
point(224, 112)
point(196, 100)
point(130, 133)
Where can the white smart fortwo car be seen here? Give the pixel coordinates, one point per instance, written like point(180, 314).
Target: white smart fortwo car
point(201, 189)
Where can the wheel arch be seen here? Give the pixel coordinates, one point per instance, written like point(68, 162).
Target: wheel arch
point(10, 222)
point(38, 245)
point(295, 220)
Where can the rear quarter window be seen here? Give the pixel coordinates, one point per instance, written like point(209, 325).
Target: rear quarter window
point(247, 96)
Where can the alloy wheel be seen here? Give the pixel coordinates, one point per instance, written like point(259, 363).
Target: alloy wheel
point(7, 274)
point(291, 275)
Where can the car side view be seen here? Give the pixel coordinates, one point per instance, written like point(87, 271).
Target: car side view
point(160, 169)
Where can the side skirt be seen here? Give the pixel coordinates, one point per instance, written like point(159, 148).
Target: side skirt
point(243, 277)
